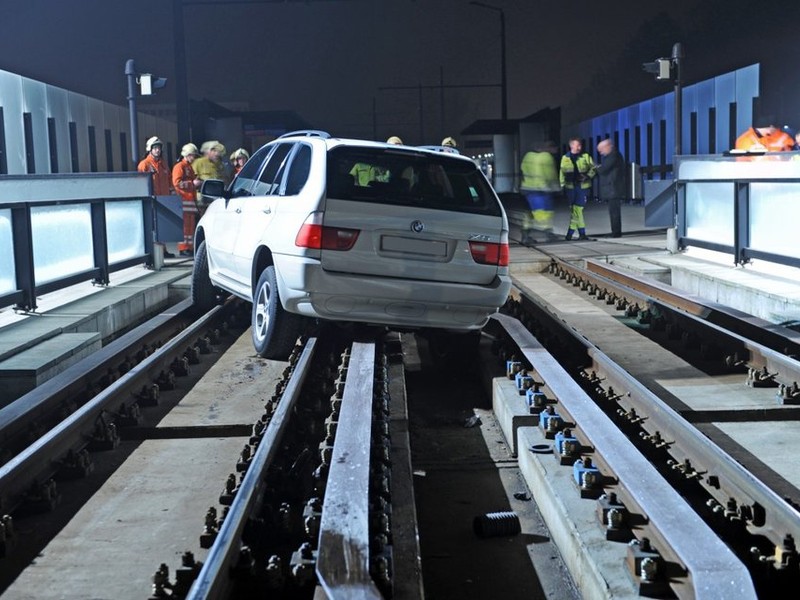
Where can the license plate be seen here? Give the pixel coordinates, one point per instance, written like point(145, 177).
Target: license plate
point(413, 246)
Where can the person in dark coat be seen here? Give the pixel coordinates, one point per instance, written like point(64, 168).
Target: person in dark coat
point(612, 183)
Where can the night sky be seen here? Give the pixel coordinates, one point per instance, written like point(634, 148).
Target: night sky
point(328, 60)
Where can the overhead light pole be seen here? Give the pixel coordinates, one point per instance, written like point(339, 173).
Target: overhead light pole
point(130, 74)
point(669, 69)
point(147, 82)
point(503, 79)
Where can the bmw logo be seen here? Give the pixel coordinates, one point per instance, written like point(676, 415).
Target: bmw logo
point(417, 226)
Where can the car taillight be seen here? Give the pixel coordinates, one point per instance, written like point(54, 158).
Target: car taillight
point(488, 253)
point(316, 236)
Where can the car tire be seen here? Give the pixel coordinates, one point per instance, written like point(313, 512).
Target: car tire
point(274, 330)
point(204, 294)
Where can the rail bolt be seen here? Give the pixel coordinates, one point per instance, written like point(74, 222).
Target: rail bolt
point(645, 568)
point(613, 515)
point(587, 477)
point(210, 528)
point(227, 495)
point(789, 394)
point(786, 554)
point(275, 578)
point(535, 399)
point(523, 382)
point(760, 377)
point(303, 565)
point(567, 446)
point(186, 574)
point(312, 516)
point(550, 422)
point(7, 537)
point(512, 368)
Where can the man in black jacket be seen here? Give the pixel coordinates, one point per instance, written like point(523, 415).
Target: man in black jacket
point(612, 183)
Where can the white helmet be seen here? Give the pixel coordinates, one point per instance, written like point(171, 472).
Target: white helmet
point(394, 140)
point(189, 149)
point(153, 141)
point(240, 152)
point(448, 141)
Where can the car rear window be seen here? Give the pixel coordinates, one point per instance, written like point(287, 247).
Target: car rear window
point(407, 178)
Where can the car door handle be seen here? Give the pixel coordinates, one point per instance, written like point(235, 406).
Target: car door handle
point(267, 211)
point(238, 211)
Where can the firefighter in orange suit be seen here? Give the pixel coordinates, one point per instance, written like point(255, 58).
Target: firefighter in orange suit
point(185, 182)
point(766, 138)
point(154, 163)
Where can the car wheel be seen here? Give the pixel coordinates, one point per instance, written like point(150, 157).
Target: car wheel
point(275, 331)
point(204, 294)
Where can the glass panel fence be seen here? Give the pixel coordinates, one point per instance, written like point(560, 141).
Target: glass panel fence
point(709, 212)
point(774, 215)
point(8, 275)
point(124, 230)
point(62, 241)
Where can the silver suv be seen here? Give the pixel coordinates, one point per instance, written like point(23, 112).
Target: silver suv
point(315, 227)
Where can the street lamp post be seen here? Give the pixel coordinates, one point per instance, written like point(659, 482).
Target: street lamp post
point(130, 73)
point(503, 80)
point(677, 60)
point(669, 69)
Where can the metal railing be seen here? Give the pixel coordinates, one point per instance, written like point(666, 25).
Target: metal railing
point(744, 205)
point(59, 230)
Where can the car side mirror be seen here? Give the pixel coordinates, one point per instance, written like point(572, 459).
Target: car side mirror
point(213, 187)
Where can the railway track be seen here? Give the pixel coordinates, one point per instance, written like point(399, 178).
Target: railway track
point(738, 499)
point(322, 500)
point(50, 429)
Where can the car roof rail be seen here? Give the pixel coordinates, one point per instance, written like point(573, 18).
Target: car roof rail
point(307, 133)
point(447, 149)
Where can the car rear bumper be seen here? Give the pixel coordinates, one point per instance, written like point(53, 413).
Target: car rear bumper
point(309, 290)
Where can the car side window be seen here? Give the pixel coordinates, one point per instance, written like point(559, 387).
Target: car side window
point(299, 169)
point(270, 179)
point(245, 180)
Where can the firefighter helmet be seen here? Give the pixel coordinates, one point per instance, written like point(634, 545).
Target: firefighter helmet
point(448, 141)
point(394, 140)
point(240, 152)
point(189, 149)
point(153, 141)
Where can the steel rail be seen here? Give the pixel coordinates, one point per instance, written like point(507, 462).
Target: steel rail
point(754, 328)
point(214, 579)
point(731, 479)
point(343, 556)
point(712, 318)
point(41, 402)
point(37, 462)
point(715, 572)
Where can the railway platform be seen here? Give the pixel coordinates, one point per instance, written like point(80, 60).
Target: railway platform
point(72, 323)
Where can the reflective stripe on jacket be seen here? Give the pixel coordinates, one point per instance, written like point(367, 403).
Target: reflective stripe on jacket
point(568, 175)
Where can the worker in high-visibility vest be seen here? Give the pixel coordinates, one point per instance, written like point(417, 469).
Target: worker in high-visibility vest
point(186, 182)
point(575, 175)
point(539, 184)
